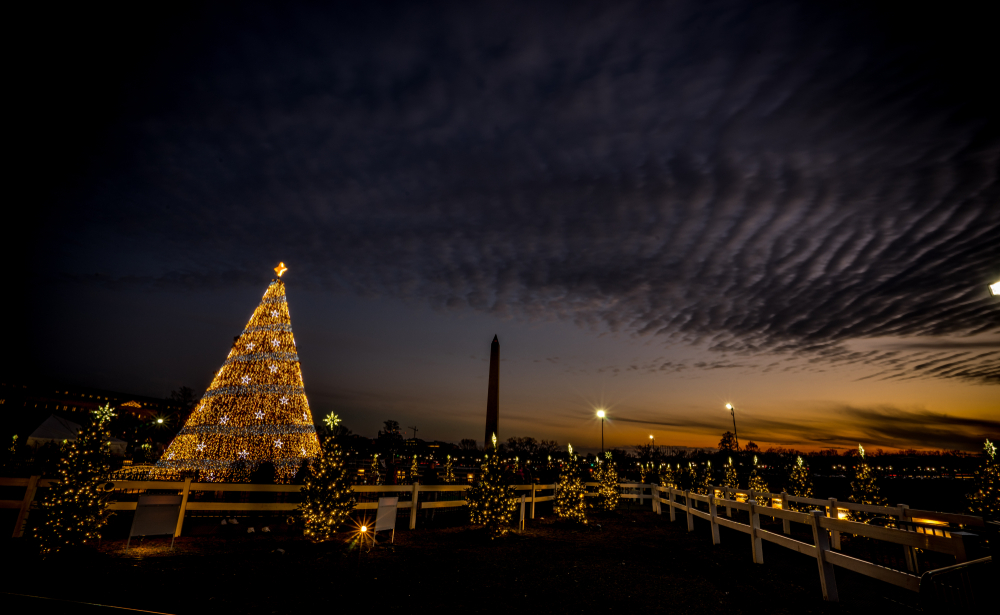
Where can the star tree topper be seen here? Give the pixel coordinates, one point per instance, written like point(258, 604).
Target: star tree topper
point(280, 269)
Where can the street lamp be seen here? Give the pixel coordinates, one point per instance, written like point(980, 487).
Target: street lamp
point(652, 442)
point(601, 415)
point(995, 289)
point(732, 411)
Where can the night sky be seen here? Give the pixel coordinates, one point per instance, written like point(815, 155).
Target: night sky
point(657, 207)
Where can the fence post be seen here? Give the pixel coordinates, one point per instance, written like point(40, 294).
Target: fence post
point(730, 495)
point(687, 504)
point(834, 514)
point(821, 537)
point(909, 554)
point(786, 525)
point(755, 541)
point(532, 500)
point(413, 504)
point(184, 504)
point(670, 501)
point(713, 512)
point(22, 514)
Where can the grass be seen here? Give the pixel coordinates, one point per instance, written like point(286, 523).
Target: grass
point(622, 562)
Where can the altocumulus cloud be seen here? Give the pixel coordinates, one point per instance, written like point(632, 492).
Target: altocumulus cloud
point(751, 178)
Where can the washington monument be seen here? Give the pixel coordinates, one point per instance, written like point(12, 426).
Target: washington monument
point(493, 396)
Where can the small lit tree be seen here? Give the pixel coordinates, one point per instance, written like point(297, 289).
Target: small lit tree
point(570, 491)
point(864, 489)
point(667, 476)
point(414, 473)
point(326, 495)
point(986, 499)
point(608, 491)
point(375, 476)
point(799, 483)
point(491, 498)
point(731, 479)
point(449, 471)
point(757, 483)
point(75, 507)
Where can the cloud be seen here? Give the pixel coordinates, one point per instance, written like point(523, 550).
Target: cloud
point(757, 180)
point(846, 426)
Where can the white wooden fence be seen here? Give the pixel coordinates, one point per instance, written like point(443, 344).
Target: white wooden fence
point(916, 527)
point(827, 523)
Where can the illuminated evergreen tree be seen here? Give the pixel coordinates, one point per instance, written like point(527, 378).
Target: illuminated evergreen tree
point(757, 483)
point(864, 489)
point(570, 491)
point(799, 484)
point(704, 479)
point(491, 498)
point(732, 479)
point(376, 476)
point(414, 473)
point(75, 506)
point(985, 500)
point(667, 476)
point(608, 491)
point(255, 411)
point(449, 471)
point(326, 494)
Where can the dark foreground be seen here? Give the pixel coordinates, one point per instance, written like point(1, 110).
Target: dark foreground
point(637, 562)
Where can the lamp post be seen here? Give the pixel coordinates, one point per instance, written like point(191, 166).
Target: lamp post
point(732, 411)
point(601, 415)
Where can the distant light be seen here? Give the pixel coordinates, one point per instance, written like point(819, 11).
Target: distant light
point(600, 414)
point(729, 406)
point(364, 528)
point(650, 437)
point(995, 289)
point(159, 420)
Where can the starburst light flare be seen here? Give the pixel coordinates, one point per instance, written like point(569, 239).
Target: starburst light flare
point(267, 414)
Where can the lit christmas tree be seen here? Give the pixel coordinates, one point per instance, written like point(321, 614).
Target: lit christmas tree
point(985, 500)
point(75, 507)
point(449, 471)
point(375, 477)
point(491, 498)
point(608, 491)
point(864, 489)
point(667, 476)
point(799, 484)
point(414, 474)
point(757, 483)
point(255, 410)
point(570, 495)
point(732, 479)
point(326, 495)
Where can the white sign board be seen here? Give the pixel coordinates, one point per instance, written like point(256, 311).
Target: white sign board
point(385, 518)
point(155, 515)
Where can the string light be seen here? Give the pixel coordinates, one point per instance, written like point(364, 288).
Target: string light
point(570, 493)
point(74, 507)
point(491, 498)
point(255, 410)
point(327, 501)
point(607, 476)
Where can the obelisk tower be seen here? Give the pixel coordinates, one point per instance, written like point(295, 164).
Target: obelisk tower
point(493, 397)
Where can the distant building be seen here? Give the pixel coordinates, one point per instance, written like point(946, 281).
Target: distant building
point(56, 430)
point(23, 407)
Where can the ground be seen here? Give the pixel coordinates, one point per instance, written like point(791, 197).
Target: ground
point(635, 561)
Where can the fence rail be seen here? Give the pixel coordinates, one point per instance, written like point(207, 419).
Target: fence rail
point(827, 524)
